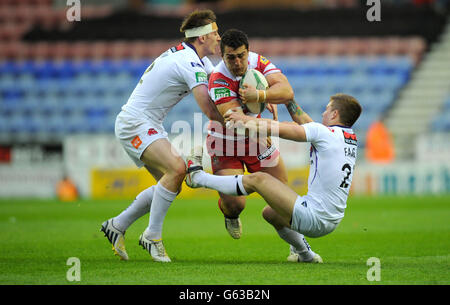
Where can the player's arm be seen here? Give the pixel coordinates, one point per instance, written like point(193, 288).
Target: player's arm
point(297, 113)
point(286, 130)
point(279, 92)
point(205, 103)
point(231, 105)
point(223, 93)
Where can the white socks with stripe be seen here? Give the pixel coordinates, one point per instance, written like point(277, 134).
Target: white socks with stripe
point(229, 185)
point(138, 208)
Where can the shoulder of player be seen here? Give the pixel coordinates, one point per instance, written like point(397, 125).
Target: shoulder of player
point(338, 134)
point(320, 129)
point(253, 56)
point(261, 63)
point(253, 59)
point(186, 56)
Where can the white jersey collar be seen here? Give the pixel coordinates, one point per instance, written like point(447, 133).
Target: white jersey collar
point(187, 44)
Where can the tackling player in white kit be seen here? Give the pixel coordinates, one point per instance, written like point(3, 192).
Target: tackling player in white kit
point(332, 156)
point(139, 128)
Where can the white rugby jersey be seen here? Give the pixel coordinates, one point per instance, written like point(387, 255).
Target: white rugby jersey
point(166, 81)
point(332, 163)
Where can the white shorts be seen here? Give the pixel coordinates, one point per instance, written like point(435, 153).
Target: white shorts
point(307, 222)
point(136, 134)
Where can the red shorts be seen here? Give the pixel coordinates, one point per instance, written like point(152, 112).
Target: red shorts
point(228, 154)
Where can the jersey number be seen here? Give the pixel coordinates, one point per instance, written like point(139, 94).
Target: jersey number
point(347, 169)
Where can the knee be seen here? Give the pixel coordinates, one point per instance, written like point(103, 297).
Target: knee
point(178, 169)
point(268, 214)
point(257, 178)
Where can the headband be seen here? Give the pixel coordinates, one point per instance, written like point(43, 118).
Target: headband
point(201, 30)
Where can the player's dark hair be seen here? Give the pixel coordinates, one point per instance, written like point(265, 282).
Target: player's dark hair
point(348, 107)
point(234, 39)
point(195, 19)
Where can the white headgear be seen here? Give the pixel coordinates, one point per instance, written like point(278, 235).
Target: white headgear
point(201, 30)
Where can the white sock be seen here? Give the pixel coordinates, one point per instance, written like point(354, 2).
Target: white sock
point(230, 185)
point(138, 208)
point(298, 241)
point(162, 199)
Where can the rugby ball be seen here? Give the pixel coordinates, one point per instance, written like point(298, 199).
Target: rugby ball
point(256, 79)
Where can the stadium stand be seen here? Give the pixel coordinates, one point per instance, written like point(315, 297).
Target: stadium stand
point(58, 78)
point(422, 106)
point(65, 88)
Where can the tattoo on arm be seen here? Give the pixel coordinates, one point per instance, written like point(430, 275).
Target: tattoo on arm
point(294, 108)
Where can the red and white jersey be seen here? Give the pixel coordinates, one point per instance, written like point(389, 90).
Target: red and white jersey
point(224, 86)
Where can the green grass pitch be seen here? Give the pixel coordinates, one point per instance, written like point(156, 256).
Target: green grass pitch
point(409, 235)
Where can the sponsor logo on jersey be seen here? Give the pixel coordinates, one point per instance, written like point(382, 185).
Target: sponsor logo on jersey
point(201, 77)
point(350, 138)
point(221, 93)
point(267, 153)
point(136, 142)
point(151, 131)
point(177, 48)
point(222, 82)
point(264, 60)
point(196, 64)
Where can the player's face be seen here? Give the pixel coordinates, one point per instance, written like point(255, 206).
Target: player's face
point(236, 60)
point(212, 42)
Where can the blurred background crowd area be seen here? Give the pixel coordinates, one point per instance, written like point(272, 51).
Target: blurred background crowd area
point(60, 78)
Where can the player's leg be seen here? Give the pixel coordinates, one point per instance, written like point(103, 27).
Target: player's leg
point(231, 206)
point(281, 200)
point(299, 245)
point(271, 189)
point(140, 205)
point(278, 195)
point(278, 171)
point(134, 141)
point(300, 250)
point(161, 156)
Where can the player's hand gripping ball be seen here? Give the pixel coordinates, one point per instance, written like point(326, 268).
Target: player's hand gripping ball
point(255, 79)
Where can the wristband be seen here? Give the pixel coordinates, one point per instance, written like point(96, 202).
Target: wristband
point(258, 98)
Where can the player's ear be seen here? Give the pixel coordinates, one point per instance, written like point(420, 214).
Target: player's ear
point(202, 38)
point(335, 114)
